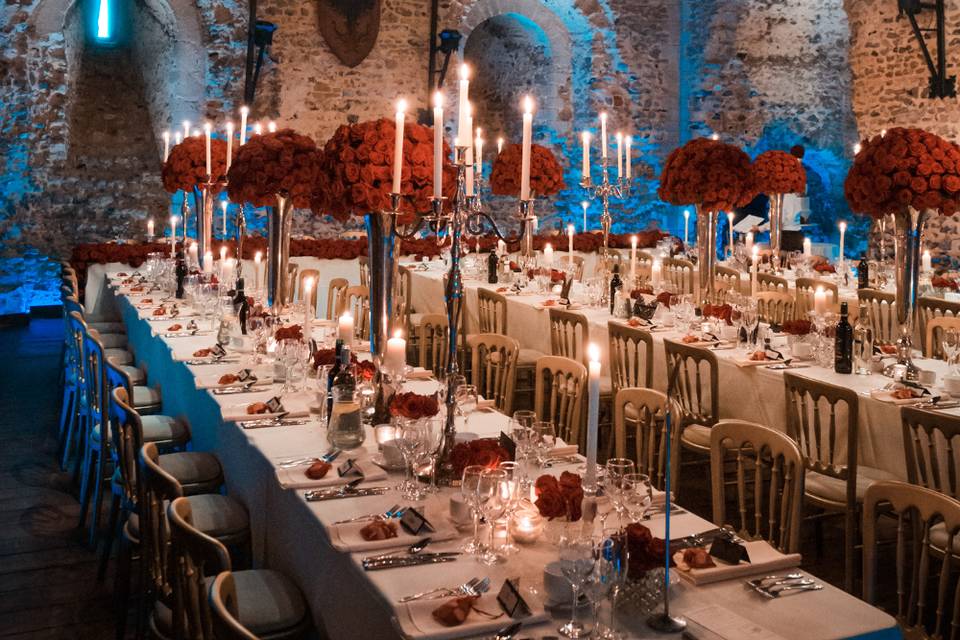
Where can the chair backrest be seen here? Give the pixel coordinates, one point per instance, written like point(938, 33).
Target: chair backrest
point(301, 279)
point(679, 273)
point(334, 291)
point(727, 278)
point(696, 382)
point(356, 300)
point(433, 335)
point(822, 419)
point(494, 368)
point(631, 356)
point(807, 287)
point(126, 432)
point(195, 555)
point(402, 290)
point(614, 258)
point(928, 440)
point(364, 263)
point(574, 263)
point(928, 523)
point(770, 282)
point(561, 385)
point(768, 503)
point(95, 375)
point(774, 307)
point(77, 329)
point(491, 311)
point(156, 486)
point(569, 334)
point(929, 308)
point(223, 609)
point(881, 314)
point(934, 338)
point(644, 411)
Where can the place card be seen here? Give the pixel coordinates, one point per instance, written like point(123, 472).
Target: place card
point(349, 469)
point(414, 523)
point(509, 445)
point(246, 375)
point(511, 601)
point(725, 549)
point(217, 351)
point(274, 405)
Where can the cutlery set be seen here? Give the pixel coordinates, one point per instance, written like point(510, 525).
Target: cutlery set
point(776, 585)
point(350, 490)
point(473, 587)
point(396, 511)
point(329, 456)
point(247, 387)
point(277, 421)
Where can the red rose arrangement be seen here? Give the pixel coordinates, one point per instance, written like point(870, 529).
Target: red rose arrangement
point(904, 168)
point(719, 311)
point(646, 552)
point(367, 370)
point(356, 174)
point(709, 173)
point(283, 162)
point(186, 166)
point(561, 498)
point(664, 298)
point(485, 452)
point(293, 332)
point(546, 174)
point(414, 406)
point(639, 292)
point(943, 282)
point(327, 357)
point(824, 267)
point(797, 327)
point(779, 172)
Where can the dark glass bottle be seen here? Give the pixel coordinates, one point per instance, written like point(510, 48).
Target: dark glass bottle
point(843, 345)
point(334, 370)
point(241, 306)
point(863, 273)
point(616, 284)
point(181, 272)
point(493, 265)
point(344, 376)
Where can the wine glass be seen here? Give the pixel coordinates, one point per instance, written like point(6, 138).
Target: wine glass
point(468, 489)
point(492, 498)
point(599, 583)
point(513, 493)
point(410, 441)
point(950, 342)
point(615, 470)
point(544, 440)
point(288, 354)
point(521, 432)
point(466, 399)
point(433, 439)
point(577, 561)
point(636, 495)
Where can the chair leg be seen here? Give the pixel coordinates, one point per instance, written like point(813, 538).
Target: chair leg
point(83, 427)
point(68, 423)
point(85, 480)
point(121, 588)
point(110, 537)
point(97, 501)
point(850, 535)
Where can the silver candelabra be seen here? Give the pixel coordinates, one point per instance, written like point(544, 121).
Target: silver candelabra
point(619, 189)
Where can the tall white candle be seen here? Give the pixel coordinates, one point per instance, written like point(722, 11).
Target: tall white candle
point(177, 138)
point(186, 129)
point(627, 155)
point(244, 112)
point(193, 254)
point(603, 134)
point(207, 129)
point(927, 265)
point(395, 358)
point(585, 206)
point(223, 253)
point(807, 247)
point(224, 204)
point(271, 127)
point(208, 262)
point(257, 259)
point(501, 248)
point(749, 241)
point(593, 415)
point(468, 157)
point(463, 115)
point(730, 224)
point(478, 153)
point(585, 164)
point(173, 235)
point(437, 144)
point(345, 329)
point(656, 271)
point(633, 259)
point(258, 129)
point(570, 232)
point(686, 227)
point(307, 296)
point(166, 145)
point(525, 156)
point(229, 144)
point(398, 145)
point(820, 300)
point(548, 255)
point(227, 271)
point(843, 232)
point(150, 229)
point(754, 269)
point(619, 138)
point(499, 146)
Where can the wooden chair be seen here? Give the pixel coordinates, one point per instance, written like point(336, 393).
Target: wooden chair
point(774, 307)
point(881, 313)
point(402, 316)
point(301, 279)
point(927, 585)
point(569, 335)
point(769, 503)
point(268, 604)
point(364, 264)
point(643, 411)
point(433, 335)
point(491, 311)
point(574, 264)
point(493, 368)
point(823, 420)
point(334, 291)
point(931, 454)
point(614, 258)
point(770, 282)
point(631, 356)
point(223, 609)
point(679, 273)
point(727, 279)
point(807, 287)
point(930, 308)
point(356, 300)
point(696, 389)
point(561, 385)
point(934, 338)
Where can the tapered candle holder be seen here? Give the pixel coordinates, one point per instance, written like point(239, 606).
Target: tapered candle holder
point(604, 191)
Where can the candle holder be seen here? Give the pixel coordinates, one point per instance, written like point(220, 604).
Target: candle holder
point(619, 189)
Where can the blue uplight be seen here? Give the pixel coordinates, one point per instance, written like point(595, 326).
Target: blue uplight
point(103, 20)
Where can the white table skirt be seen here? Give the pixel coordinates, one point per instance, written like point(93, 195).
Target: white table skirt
point(290, 534)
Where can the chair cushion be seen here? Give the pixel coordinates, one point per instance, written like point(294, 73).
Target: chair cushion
point(157, 428)
point(145, 397)
point(822, 486)
point(528, 357)
point(136, 374)
point(192, 467)
point(696, 435)
point(108, 327)
point(219, 516)
point(938, 537)
point(118, 356)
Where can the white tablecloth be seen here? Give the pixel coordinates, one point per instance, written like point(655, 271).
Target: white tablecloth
point(292, 535)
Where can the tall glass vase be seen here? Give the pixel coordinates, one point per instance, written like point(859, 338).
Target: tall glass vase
point(381, 248)
point(706, 252)
point(908, 230)
point(204, 205)
point(279, 219)
point(776, 228)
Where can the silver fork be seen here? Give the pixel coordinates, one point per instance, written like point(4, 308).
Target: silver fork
point(775, 592)
point(480, 588)
point(467, 589)
point(389, 513)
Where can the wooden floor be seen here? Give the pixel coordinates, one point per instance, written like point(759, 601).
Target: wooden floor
point(47, 573)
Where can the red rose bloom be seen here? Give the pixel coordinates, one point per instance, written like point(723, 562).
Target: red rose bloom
point(778, 172)
point(282, 163)
point(709, 173)
point(561, 498)
point(796, 327)
point(186, 166)
point(551, 504)
point(414, 406)
point(546, 174)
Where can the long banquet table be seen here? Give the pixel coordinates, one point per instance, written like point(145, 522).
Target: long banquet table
point(293, 535)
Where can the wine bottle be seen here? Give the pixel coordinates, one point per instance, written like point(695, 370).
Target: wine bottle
point(334, 370)
point(181, 272)
point(862, 344)
point(843, 344)
point(493, 265)
point(616, 284)
point(345, 430)
point(863, 273)
point(344, 376)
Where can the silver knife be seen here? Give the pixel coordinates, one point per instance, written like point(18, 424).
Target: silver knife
point(406, 562)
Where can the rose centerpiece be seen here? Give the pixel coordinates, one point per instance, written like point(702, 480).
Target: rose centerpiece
point(777, 173)
point(713, 176)
point(276, 170)
point(911, 174)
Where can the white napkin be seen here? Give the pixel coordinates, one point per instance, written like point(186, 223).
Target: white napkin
point(764, 559)
point(346, 537)
point(419, 373)
point(213, 381)
point(561, 449)
point(418, 622)
point(295, 408)
point(295, 478)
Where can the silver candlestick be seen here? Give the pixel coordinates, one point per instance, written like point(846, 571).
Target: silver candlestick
point(619, 189)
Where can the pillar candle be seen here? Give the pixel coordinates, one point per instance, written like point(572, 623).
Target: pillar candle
point(843, 232)
point(257, 259)
point(585, 164)
point(208, 262)
point(463, 130)
point(223, 253)
point(749, 241)
point(224, 204)
point(244, 112)
point(603, 134)
point(730, 221)
point(166, 144)
point(258, 129)
point(633, 259)
point(686, 227)
point(437, 144)
point(501, 247)
point(173, 235)
point(398, 145)
point(548, 255)
point(627, 143)
point(395, 358)
point(570, 231)
point(593, 414)
point(207, 131)
point(754, 269)
point(345, 330)
point(229, 143)
point(820, 301)
point(307, 295)
point(656, 272)
point(525, 157)
point(150, 229)
point(927, 261)
point(585, 205)
point(177, 138)
point(271, 127)
point(807, 248)
point(226, 271)
point(478, 153)
point(619, 139)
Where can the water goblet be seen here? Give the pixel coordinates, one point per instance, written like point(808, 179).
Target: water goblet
point(636, 495)
point(410, 442)
point(469, 482)
point(513, 493)
point(466, 398)
point(491, 490)
point(577, 561)
point(544, 440)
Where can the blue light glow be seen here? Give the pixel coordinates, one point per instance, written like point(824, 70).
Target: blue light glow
point(103, 20)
